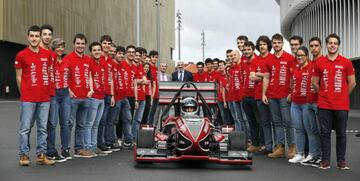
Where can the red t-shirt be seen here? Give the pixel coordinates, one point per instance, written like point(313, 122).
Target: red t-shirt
point(129, 78)
point(210, 76)
point(51, 75)
point(221, 81)
point(200, 77)
point(258, 66)
point(279, 80)
point(312, 95)
point(35, 74)
point(236, 81)
point(148, 87)
point(79, 74)
point(333, 93)
point(140, 73)
point(249, 85)
point(98, 71)
point(300, 78)
point(154, 71)
point(61, 70)
point(119, 81)
point(108, 73)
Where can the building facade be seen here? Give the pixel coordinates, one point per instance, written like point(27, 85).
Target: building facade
point(309, 18)
point(94, 18)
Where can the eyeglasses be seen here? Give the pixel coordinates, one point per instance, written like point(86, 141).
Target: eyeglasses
point(300, 56)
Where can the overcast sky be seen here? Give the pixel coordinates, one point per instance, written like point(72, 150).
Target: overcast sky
point(223, 21)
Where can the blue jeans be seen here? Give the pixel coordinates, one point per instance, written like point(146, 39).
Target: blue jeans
point(62, 111)
point(225, 116)
point(236, 112)
point(137, 119)
point(95, 112)
point(280, 112)
point(121, 107)
point(312, 121)
point(298, 115)
point(102, 124)
point(79, 111)
point(252, 114)
point(33, 112)
point(265, 123)
point(337, 120)
point(51, 125)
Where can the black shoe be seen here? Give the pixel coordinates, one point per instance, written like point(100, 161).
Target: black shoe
point(358, 135)
point(56, 157)
point(104, 149)
point(114, 147)
point(317, 163)
point(309, 162)
point(66, 154)
point(127, 145)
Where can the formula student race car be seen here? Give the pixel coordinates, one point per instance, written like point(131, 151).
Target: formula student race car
point(188, 135)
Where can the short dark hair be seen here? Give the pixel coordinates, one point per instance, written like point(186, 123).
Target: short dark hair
point(143, 50)
point(80, 36)
point(242, 37)
point(304, 49)
point(216, 60)
point(120, 49)
point(264, 39)
point(228, 51)
point(46, 27)
point(332, 35)
point(138, 49)
point(277, 36)
point(34, 28)
point(249, 44)
point(315, 38)
point(200, 63)
point(95, 43)
point(153, 53)
point(297, 37)
point(130, 46)
point(222, 61)
point(208, 60)
point(105, 38)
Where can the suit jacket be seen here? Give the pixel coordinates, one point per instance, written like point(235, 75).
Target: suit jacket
point(168, 76)
point(187, 76)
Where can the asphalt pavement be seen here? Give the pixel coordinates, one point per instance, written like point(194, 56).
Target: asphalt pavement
point(120, 165)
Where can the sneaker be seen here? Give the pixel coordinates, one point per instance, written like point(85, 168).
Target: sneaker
point(119, 141)
point(296, 159)
point(99, 152)
point(42, 159)
point(104, 149)
point(342, 165)
point(115, 147)
point(83, 154)
point(308, 161)
point(56, 157)
point(127, 145)
point(324, 165)
point(317, 163)
point(24, 160)
point(66, 154)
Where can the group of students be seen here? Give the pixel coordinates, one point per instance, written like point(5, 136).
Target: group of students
point(105, 96)
point(287, 99)
point(294, 100)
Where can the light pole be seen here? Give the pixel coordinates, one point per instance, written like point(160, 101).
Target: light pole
point(179, 27)
point(138, 22)
point(158, 4)
point(203, 44)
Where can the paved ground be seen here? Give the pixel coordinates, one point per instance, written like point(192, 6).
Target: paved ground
point(120, 165)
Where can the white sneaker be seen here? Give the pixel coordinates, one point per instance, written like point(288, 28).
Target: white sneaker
point(296, 159)
point(308, 158)
point(119, 141)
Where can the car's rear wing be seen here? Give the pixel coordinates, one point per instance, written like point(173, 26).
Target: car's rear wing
point(207, 89)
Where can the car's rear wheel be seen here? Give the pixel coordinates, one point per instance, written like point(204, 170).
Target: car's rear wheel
point(237, 140)
point(145, 139)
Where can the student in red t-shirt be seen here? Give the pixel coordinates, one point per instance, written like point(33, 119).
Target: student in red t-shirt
point(148, 92)
point(154, 55)
point(248, 102)
point(301, 75)
point(263, 45)
point(311, 117)
point(140, 83)
point(200, 75)
point(32, 77)
point(79, 89)
point(209, 67)
point(109, 99)
point(236, 89)
point(221, 80)
point(276, 93)
point(334, 79)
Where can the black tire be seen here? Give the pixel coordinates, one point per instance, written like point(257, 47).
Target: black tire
point(145, 139)
point(237, 141)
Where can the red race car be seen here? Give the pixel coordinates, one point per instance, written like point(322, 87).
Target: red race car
point(188, 135)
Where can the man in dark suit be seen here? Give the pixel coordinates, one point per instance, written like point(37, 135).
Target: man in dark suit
point(181, 74)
